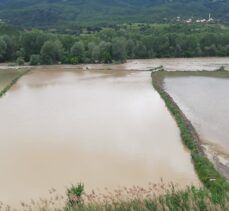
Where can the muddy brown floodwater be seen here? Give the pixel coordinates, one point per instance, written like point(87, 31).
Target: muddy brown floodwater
point(180, 64)
point(205, 101)
point(103, 128)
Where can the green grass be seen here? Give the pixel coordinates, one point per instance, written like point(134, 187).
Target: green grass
point(173, 200)
point(154, 197)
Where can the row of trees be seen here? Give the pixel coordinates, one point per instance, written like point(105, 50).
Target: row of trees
point(32, 48)
point(112, 45)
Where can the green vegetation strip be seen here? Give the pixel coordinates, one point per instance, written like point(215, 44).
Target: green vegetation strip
point(207, 173)
point(3, 92)
point(173, 200)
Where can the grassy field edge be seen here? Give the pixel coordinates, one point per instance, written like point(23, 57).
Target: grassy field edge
point(13, 81)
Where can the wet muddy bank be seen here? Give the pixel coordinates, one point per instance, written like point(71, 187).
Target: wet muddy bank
point(207, 173)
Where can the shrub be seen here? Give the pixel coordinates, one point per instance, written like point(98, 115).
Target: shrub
point(74, 195)
point(20, 61)
point(34, 59)
point(78, 51)
point(221, 69)
point(51, 52)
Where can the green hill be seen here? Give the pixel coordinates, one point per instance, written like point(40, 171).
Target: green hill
point(69, 13)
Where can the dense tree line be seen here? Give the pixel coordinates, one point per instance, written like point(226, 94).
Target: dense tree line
point(116, 44)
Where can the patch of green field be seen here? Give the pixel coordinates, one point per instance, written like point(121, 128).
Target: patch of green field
point(6, 76)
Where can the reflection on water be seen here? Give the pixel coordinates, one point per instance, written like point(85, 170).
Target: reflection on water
point(205, 101)
point(103, 128)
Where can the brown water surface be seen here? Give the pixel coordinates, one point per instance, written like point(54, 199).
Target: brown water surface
point(205, 101)
point(180, 64)
point(102, 128)
point(169, 64)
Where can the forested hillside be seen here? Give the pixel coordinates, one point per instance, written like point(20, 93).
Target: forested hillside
point(73, 13)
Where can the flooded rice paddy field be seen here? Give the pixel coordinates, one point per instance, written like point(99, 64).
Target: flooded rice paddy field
point(105, 128)
point(204, 98)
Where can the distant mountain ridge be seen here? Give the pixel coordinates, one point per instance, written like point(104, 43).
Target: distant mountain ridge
point(67, 13)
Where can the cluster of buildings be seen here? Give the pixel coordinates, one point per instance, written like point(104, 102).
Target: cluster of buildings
point(192, 20)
